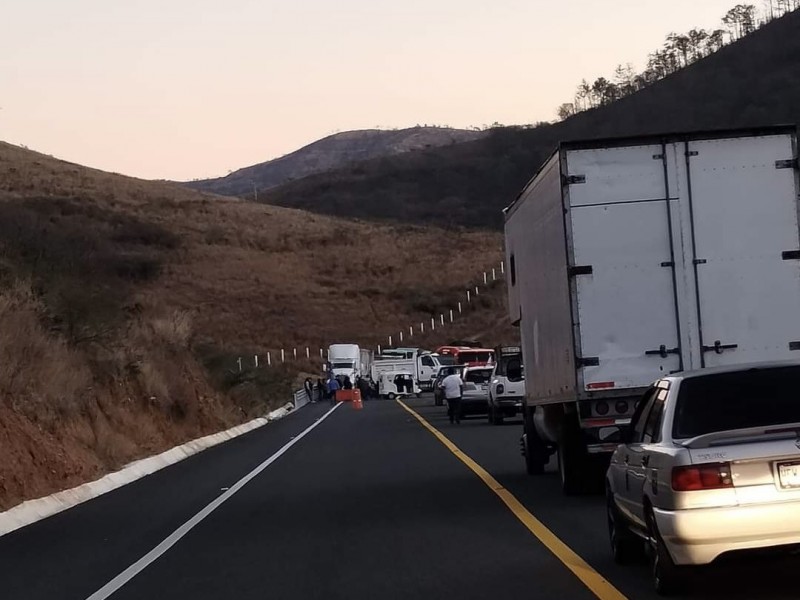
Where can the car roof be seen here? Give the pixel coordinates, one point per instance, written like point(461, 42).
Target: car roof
point(732, 369)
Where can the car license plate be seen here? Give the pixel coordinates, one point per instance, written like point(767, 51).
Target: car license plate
point(789, 475)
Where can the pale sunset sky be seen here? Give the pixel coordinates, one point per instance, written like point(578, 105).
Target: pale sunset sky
point(184, 89)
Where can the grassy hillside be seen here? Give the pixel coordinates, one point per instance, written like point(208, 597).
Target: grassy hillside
point(333, 152)
point(126, 303)
point(749, 83)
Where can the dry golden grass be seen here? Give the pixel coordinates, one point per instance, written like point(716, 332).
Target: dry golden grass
point(121, 290)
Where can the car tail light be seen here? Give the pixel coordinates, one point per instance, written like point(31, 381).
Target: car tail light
point(500, 388)
point(702, 477)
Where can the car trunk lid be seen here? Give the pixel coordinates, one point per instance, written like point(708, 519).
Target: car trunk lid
point(764, 461)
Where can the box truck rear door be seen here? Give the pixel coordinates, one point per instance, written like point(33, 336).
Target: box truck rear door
point(744, 215)
point(622, 283)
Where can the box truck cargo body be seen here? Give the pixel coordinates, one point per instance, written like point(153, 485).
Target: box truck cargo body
point(632, 259)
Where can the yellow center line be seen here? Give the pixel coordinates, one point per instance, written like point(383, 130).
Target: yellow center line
point(600, 586)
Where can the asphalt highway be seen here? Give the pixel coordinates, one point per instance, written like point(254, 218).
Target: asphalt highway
point(363, 504)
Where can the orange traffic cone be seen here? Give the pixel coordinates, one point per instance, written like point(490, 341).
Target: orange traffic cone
point(357, 404)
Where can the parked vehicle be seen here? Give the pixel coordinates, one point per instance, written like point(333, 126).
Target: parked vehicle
point(423, 365)
point(463, 355)
point(710, 466)
point(507, 387)
point(365, 360)
point(632, 259)
point(475, 393)
point(397, 384)
point(444, 371)
point(345, 360)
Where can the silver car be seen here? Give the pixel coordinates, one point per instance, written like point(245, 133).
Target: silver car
point(475, 393)
point(710, 465)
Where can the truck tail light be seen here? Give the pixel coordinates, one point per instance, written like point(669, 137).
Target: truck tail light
point(702, 477)
point(601, 385)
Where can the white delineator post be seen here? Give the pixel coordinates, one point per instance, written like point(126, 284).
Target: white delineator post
point(451, 315)
point(283, 355)
point(269, 359)
point(459, 308)
point(256, 360)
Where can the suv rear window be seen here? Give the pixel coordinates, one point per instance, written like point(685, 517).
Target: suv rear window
point(482, 376)
point(728, 401)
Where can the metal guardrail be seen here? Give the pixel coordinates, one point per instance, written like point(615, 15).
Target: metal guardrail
point(300, 397)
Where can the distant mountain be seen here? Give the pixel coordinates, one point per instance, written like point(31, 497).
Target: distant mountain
point(750, 83)
point(334, 152)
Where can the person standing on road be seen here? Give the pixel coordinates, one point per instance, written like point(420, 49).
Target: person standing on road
point(452, 386)
point(333, 387)
point(363, 387)
point(320, 390)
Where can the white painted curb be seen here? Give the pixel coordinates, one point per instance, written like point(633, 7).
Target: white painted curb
point(41, 508)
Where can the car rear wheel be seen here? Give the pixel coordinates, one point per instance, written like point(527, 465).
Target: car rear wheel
point(625, 546)
point(668, 578)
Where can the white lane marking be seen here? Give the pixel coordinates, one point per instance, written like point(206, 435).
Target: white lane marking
point(141, 564)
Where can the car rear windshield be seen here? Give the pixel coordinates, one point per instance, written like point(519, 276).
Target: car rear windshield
point(728, 401)
point(482, 376)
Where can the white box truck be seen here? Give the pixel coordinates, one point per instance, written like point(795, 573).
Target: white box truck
point(635, 258)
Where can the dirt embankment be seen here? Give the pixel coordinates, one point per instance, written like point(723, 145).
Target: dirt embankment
point(125, 304)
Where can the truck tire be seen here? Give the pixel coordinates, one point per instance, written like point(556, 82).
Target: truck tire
point(533, 449)
point(572, 460)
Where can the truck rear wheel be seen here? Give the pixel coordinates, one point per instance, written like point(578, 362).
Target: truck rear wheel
point(572, 460)
point(533, 449)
